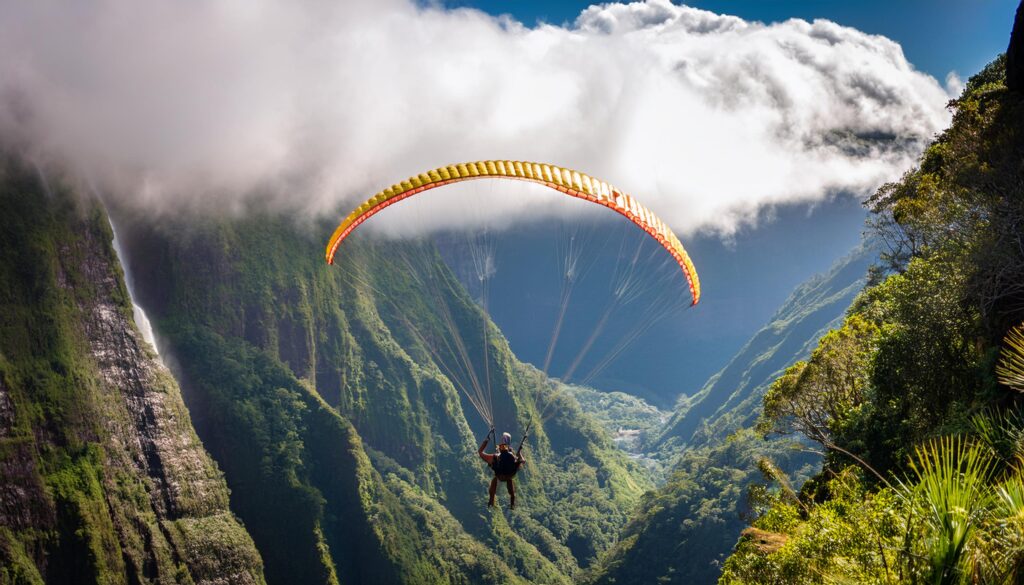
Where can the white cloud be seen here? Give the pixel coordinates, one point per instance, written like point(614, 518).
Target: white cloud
point(706, 118)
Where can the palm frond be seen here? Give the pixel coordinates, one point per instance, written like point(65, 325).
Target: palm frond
point(1001, 431)
point(952, 495)
point(1006, 535)
point(1010, 369)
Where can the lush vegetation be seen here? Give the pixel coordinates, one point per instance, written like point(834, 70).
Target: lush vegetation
point(923, 441)
point(956, 517)
point(92, 431)
point(891, 452)
point(629, 419)
point(682, 532)
point(288, 363)
point(301, 479)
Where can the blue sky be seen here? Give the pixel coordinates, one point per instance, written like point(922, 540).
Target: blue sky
point(938, 36)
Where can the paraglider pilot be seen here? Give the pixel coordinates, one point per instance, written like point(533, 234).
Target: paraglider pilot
point(505, 464)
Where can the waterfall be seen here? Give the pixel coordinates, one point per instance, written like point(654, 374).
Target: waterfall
point(141, 319)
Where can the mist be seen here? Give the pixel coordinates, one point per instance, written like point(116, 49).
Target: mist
point(312, 107)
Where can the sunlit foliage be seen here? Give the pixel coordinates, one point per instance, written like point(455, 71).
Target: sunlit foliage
point(923, 482)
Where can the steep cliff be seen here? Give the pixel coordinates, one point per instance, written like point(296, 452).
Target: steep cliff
point(332, 389)
point(102, 478)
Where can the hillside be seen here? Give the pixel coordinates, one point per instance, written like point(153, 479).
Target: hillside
point(731, 398)
point(320, 388)
point(916, 398)
point(685, 529)
point(102, 478)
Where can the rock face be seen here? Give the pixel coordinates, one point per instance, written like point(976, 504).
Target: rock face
point(102, 477)
point(23, 504)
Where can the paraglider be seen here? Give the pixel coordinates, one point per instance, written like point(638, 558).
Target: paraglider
point(504, 462)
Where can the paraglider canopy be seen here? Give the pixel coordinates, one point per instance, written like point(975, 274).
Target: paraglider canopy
point(566, 181)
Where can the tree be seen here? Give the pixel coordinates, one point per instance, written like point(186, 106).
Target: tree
point(817, 397)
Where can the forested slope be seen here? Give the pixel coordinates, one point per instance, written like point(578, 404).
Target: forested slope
point(911, 398)
point(731, 398)
point(684, 530)
point(102, 478)
point(329, 389)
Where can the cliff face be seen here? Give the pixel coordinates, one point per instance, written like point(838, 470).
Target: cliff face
point(102, 478)
point(328, 388)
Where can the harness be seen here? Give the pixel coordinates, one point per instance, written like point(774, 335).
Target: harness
point(506, 455)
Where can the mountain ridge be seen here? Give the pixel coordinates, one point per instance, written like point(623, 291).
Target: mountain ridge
point(252, 287)
point(811, 310)
point(683, 531)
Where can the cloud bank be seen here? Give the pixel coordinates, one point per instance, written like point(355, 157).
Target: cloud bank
point(316, 105)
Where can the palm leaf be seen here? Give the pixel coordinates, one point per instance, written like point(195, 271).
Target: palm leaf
point(1006, 539)
point(1010, 369)
point(1001, 431)
point(952, 495)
